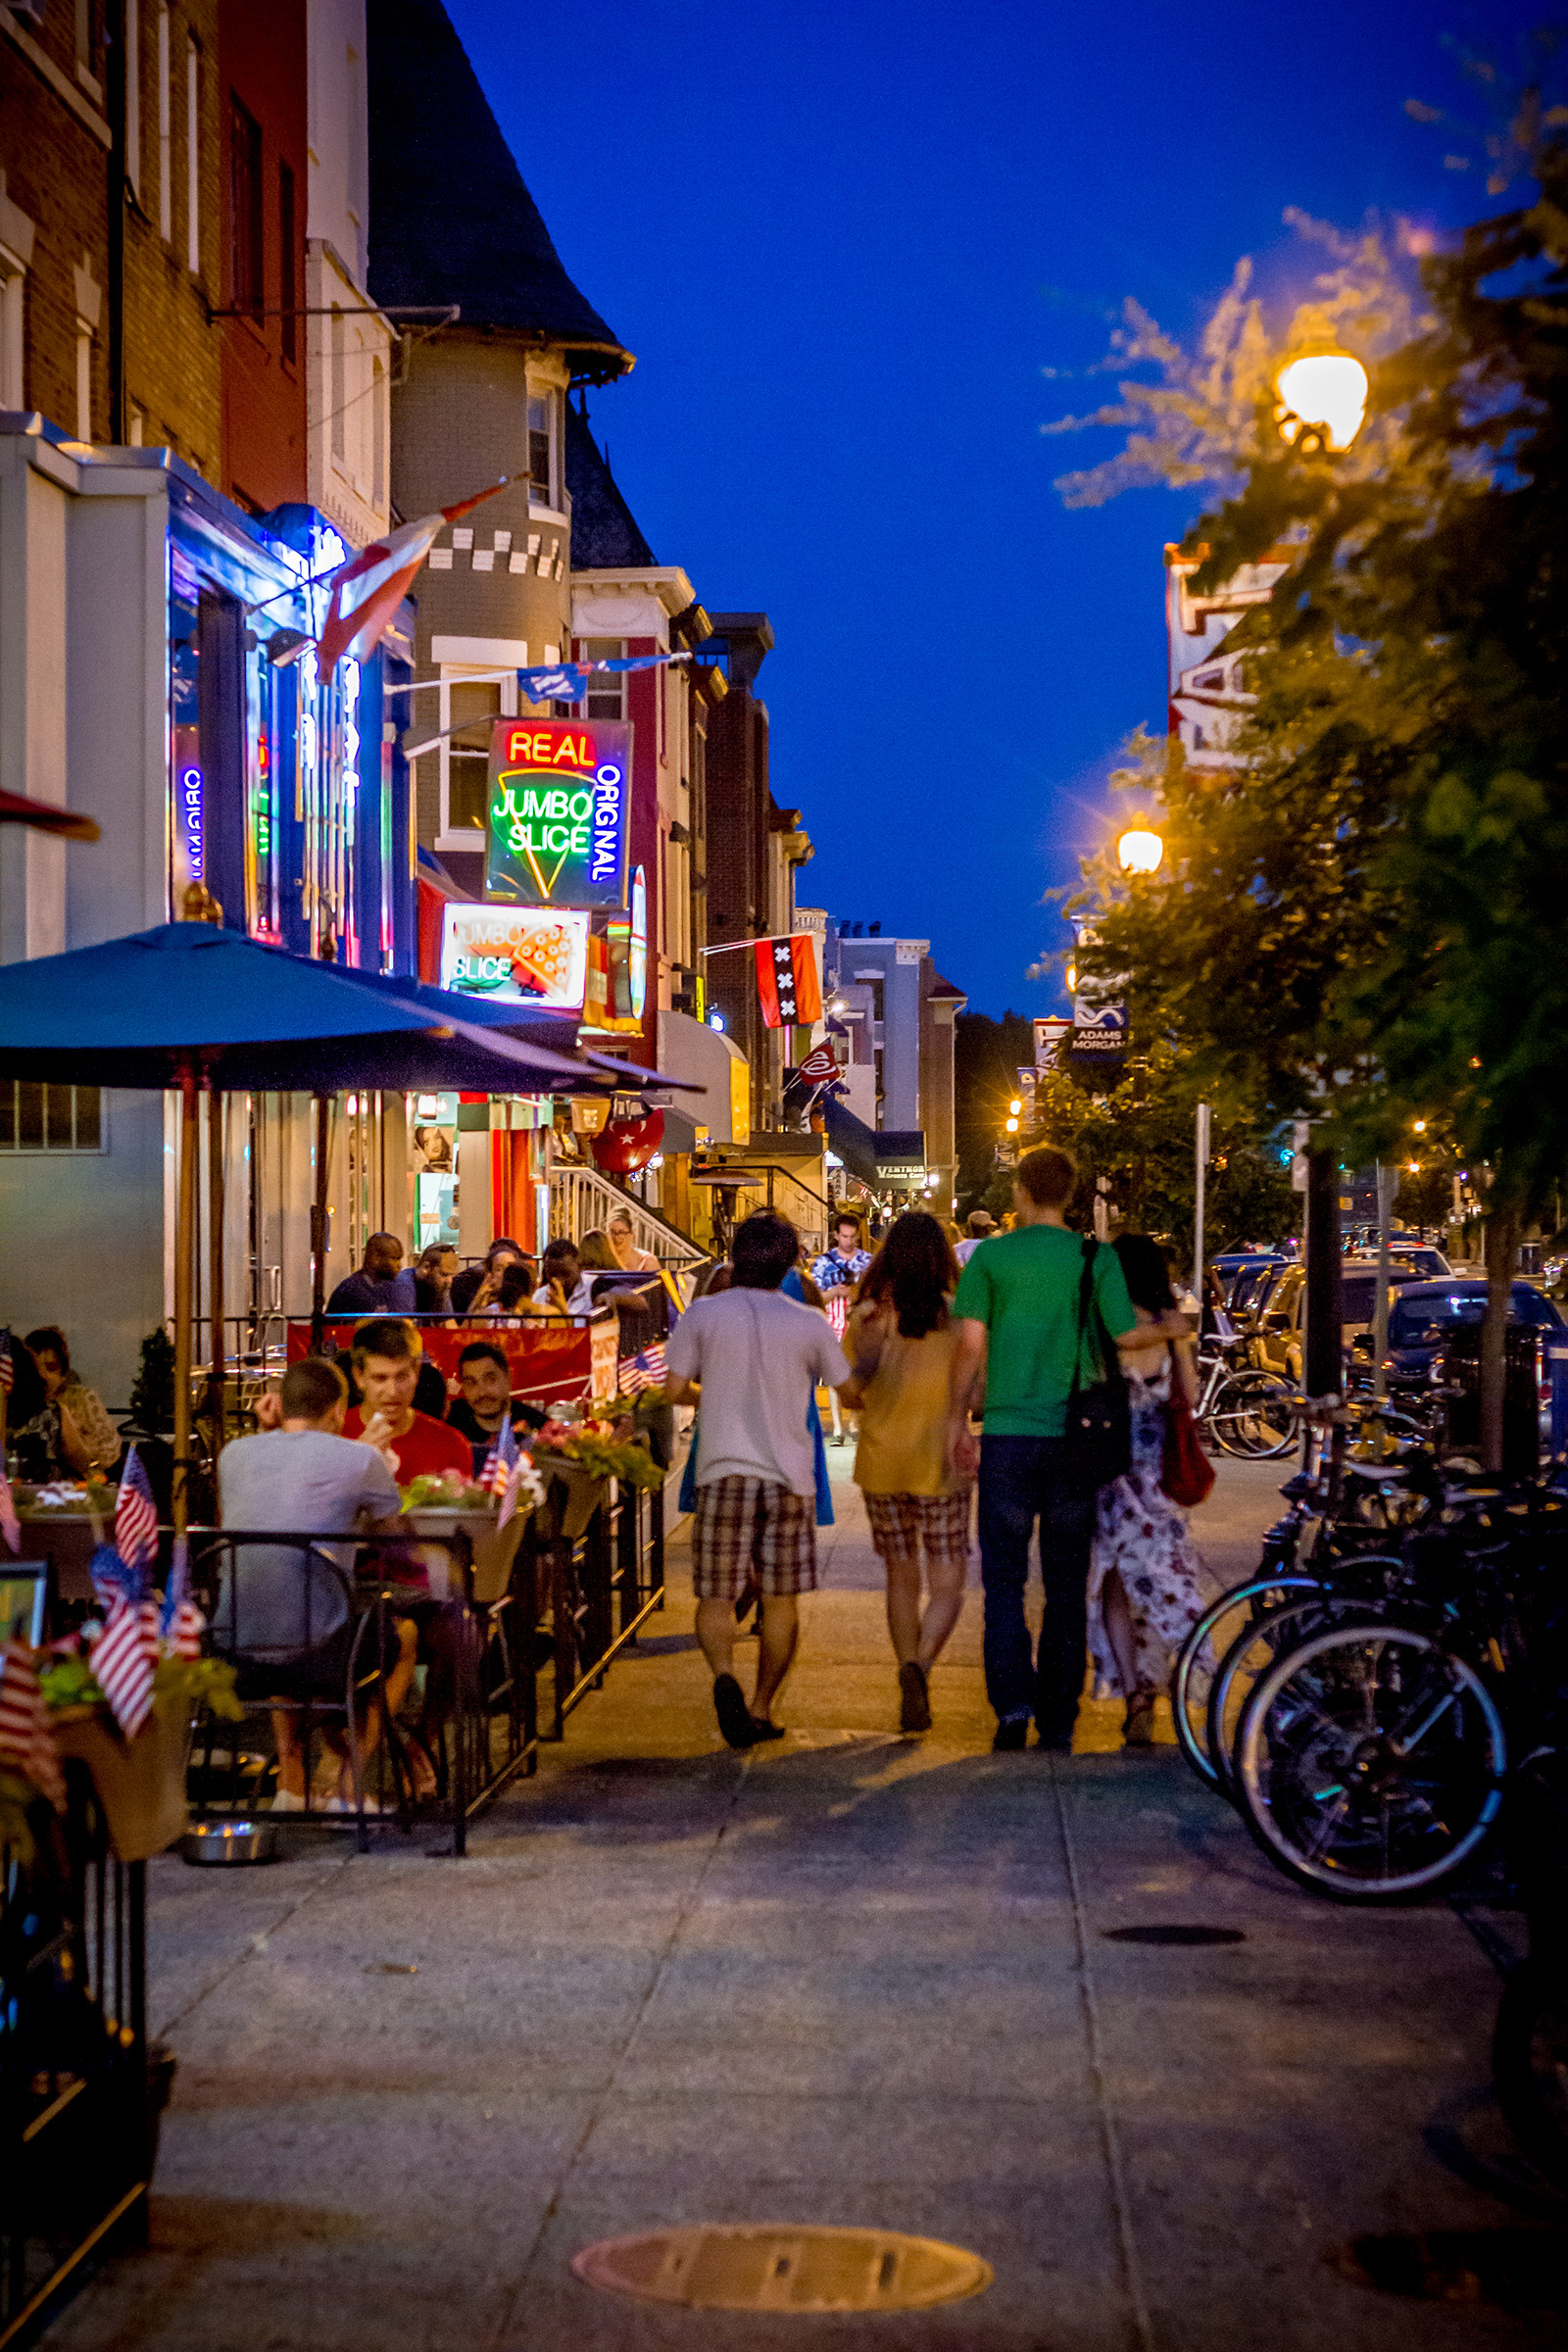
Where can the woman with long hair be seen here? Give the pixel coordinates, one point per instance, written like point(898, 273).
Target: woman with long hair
point(1144, 1571)
point(899, 1338)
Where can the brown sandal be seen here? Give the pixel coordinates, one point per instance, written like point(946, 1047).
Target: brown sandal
point(1139, 1729)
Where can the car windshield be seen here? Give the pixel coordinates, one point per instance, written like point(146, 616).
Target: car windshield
point(1429, 1264)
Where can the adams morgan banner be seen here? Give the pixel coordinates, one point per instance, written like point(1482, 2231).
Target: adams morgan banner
point(559, 791)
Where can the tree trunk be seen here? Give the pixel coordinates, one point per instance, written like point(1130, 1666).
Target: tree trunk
point(1505, 1225)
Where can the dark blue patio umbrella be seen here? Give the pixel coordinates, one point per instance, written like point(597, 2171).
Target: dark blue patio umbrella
point(533, 1025)
point(189, 1006)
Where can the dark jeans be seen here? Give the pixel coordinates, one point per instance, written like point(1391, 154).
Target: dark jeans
point(1022, 1479)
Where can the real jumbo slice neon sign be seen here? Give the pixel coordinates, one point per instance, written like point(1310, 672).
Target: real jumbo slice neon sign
point(559, 797)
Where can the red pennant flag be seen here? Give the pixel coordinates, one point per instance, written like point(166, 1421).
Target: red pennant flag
point(370, 587)
point(787, 982)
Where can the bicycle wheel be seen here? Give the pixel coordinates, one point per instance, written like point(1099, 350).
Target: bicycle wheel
point(1371, 1762)
point(1250, 1415)
point(1210, 1639)
point(1530, 2065)
point(1252, 1652)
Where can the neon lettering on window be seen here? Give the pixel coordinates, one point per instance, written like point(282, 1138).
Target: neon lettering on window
point(190, 818)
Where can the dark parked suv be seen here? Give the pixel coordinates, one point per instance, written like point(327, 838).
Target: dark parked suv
point(1424, 1314)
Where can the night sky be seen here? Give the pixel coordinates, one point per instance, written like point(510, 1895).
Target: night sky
point(845, 243)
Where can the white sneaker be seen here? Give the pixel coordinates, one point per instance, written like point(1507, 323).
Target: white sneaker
point(286, 1801)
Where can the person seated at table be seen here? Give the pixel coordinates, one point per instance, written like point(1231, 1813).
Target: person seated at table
point(387, 1356)
point(383, 1285)
point(484, 1399)
point(434, 1271)
point(40, 1428)
point(563, 1287)
point(621, 1235)
point(66, 1388)
point(283, 1611)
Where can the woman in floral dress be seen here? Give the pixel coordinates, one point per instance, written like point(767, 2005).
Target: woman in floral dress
point(1144, 1570)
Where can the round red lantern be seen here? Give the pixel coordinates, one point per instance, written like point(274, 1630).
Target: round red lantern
point(626, 1145)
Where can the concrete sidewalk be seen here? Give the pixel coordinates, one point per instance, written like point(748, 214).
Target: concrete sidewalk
point(847, 1979)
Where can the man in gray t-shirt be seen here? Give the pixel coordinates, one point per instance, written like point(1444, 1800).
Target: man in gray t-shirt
point(757, 1358)
point(284, 1609)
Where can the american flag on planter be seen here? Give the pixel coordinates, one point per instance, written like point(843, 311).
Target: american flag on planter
point(8, 1369)
point(135, 1515)
point(27, 1733)
point(123, 1661)
point(648, 1370)
point(181, 1623)
point(504, 1467)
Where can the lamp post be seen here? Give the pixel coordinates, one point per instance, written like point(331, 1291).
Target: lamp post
point(1140, 849)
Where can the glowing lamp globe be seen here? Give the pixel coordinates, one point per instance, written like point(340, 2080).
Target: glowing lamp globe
point(1322, 399)
point(1140, 851)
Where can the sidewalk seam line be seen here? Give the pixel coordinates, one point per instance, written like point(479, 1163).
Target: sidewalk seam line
point(655, 1974)
point(1132, 2272)
point(253, 1946)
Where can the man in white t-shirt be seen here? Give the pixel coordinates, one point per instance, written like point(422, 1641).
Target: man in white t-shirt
point(757, 1358)
point(982, 1225)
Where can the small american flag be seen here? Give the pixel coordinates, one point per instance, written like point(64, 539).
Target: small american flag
point(8, 1369)
point(135, 1515)
point(513, 1489)
point(123, 1661)
point(499, 1461)
point(27, 1733)
point(181, 1624)
point(649, 1370)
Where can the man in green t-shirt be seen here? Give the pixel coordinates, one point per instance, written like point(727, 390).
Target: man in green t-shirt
point(1016, 1320)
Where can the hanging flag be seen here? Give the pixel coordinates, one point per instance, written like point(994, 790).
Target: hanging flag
point(135, 1515)
point(123, 1661)
point(786, 980)
point(368, 588)
point(27, 1731)
point(568, 681)
point(821, 1062)
point(8, 1369)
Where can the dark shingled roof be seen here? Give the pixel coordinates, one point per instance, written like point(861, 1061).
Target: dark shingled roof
point(451, 220)
point(605, 536)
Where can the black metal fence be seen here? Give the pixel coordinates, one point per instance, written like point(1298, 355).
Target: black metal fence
point(79, 2110)
point(483, 1675)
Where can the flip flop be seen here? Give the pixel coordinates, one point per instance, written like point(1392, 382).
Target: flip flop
point(735, 1718)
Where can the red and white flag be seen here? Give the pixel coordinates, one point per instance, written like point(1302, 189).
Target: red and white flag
point(786, 980)
point(26, 1733)
point(9, 1525)
point(135, 1515)
point(820, 1063)
point(370, 587)
point(123, 1660)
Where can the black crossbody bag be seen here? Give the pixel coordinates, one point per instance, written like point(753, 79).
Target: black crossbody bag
point(1098, 1421)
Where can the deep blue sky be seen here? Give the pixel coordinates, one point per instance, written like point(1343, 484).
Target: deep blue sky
point(844, 242)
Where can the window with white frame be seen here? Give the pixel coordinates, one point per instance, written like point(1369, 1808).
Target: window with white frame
point(607, 689)
point(50, 1118)
point(544, 449)
point(13, 340)
point(466, 763)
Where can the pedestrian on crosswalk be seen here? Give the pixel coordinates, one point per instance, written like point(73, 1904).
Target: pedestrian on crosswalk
point(900, 1339)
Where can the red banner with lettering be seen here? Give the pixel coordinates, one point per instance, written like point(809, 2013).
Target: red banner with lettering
point(546, 1359)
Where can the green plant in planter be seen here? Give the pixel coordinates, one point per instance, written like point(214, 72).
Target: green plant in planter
point(152, 1394)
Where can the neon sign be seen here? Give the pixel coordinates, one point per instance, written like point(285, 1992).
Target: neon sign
point(190, 818)
point(558, 803)
point(530, 953)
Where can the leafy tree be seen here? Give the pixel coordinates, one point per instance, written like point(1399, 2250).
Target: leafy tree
point(1363, 916)
point(987, 1056)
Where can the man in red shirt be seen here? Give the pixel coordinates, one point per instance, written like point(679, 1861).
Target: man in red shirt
point(386, 1366)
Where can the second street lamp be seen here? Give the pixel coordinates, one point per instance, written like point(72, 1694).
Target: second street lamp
point(1140, 850)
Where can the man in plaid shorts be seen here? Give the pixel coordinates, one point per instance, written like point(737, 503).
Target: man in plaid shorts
point(757, 1358)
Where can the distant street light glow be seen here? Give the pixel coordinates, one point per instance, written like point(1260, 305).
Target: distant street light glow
point(1322, 395)
point(1140, 850)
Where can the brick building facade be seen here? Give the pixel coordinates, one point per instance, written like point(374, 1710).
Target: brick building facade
point(261, 69)
point(55, 144)
point(173, 230)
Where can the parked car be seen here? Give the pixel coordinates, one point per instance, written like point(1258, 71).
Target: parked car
point(1252, 1277)
point(1425, 1312)
point(1277, 1341)
point(1427, 1263)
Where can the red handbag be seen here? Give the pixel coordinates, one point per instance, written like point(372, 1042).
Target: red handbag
point(1186, 1473)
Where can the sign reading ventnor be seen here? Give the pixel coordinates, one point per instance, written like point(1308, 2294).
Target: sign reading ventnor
point(559, 797)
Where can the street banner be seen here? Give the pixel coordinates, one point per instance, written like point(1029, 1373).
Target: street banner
point(1049, 1031)
point(1098, 1030)
point(787, 982)
point(560, 793)
point(545, 1360)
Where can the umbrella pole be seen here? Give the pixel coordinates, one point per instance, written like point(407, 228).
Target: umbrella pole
point(216, 1172)
point(185, 1285)
point(318, 1232)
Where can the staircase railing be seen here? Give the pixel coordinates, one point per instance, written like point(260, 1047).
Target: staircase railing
point(580, 1198)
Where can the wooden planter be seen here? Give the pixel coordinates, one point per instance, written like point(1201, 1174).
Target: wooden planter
point(140, 1783)
point(493, 1548)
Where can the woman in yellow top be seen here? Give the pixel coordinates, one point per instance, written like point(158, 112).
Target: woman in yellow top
point(899, 1338)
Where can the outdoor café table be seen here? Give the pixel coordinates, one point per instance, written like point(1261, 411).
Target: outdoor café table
point(66, 1538)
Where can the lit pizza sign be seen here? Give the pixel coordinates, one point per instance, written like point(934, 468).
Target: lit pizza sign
point(533, 952)
point(558, 796)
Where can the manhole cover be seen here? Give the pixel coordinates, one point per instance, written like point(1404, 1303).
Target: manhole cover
point(783, 2265)
point(1173, 1932)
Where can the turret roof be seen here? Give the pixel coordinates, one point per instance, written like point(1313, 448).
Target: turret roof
point(451, 219)
point(605, 533)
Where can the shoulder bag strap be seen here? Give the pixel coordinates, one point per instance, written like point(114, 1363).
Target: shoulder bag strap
point(1084, 1287)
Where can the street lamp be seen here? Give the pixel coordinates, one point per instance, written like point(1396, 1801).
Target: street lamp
point(1140, 850)
point(1322, 400)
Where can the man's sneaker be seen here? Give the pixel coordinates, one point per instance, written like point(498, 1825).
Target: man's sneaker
point(915, 1699)
point(1012, 1735)
point(286, 1801)
point(734, 1716)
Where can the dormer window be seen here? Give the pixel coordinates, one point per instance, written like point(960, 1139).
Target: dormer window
point(544, 471)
